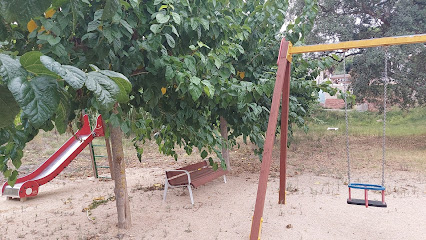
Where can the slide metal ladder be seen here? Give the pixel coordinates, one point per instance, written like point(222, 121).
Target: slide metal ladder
point(101, 158)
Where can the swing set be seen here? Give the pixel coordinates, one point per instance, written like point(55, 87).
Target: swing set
point(282, 89)
point(366, 186)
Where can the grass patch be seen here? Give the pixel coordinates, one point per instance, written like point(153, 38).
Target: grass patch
point(398, 122)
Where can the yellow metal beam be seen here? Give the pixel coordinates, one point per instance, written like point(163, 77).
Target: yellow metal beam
point(375, 42)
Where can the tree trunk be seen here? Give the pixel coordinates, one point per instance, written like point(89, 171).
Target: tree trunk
point(224, 133)
point(121, 196)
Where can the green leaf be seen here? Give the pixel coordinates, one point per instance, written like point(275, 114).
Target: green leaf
point(205, 24)
point(12, 178)
point(4, 138)
point(194, 23)
point(37, 98)
point(114, 120)
point(31, 62)
point(208, 88)
point(11, 68)
point(58, 3)
point(162, 18)
point(174, 31)
point(190, 64)
point(195, 80)
point(122, 82)
point(93, 25)
point(127, 26)
point(111, 7)
point(170, 40)
point(22, 11)
point(9, 108)
point(215, 166)
point(62, 112)
point(4, 32)
point(53, 40)
point(169, 73)
point(155, 28)
point(176, 18)
point(134, 3)
point(7, 173)
point(16, 156)
point(217, 62)
point(104, 89)
point(72, 75)
point(125, 127)
point(204, 154)
point(119, 79)
point(195, 91)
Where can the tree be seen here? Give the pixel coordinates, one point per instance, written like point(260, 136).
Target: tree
point(189, 65)
point(354, 20)
point(35, 82)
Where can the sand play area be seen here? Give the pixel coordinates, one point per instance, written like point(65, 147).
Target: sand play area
point(75, 205)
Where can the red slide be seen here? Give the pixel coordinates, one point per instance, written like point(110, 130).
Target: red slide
point(27, 186)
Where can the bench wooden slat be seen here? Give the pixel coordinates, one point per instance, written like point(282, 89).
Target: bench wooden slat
point(188, 168)
point(182, 179)
point(207, 178)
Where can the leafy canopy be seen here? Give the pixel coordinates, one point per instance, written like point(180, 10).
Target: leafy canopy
point(188, 64)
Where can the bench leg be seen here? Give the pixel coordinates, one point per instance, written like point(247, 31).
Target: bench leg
point(224, 178)
point(190, 194)
point(166, 186)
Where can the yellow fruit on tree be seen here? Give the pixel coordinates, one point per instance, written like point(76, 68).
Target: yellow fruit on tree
point(241, 74)
point(49, 13)
point(43, 29)
point(31, 25)
point(163, 90)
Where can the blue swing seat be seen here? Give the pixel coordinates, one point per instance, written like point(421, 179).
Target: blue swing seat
point(363, 201)
point(367, 186)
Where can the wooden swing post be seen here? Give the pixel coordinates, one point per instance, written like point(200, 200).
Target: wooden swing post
point(282, 79)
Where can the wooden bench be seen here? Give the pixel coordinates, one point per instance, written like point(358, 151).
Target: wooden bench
point(193, 175)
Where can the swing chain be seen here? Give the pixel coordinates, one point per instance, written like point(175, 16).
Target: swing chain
point(385, 84)
point(345, 85)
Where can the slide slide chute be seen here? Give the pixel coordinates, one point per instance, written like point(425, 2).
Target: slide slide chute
point(28, 185)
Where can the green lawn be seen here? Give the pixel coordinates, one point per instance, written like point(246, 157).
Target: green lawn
point(398, 123)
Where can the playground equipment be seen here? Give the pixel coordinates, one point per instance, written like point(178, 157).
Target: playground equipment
point(365, 186)
point(101, 157)
point(282, 88)
point(96, 158)
point(28, 186)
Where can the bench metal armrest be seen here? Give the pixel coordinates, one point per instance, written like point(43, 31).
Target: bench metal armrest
point(185, 171)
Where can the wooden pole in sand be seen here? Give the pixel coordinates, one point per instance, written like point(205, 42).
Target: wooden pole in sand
point(283, 67)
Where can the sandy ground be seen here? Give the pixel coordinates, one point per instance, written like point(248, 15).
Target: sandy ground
point(316, 209)
point(316, 202)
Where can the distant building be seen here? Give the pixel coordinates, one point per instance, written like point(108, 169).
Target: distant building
point(338, 82)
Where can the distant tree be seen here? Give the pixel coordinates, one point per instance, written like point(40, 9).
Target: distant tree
point(343, 20)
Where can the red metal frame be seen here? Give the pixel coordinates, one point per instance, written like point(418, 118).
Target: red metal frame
point(34, 184)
